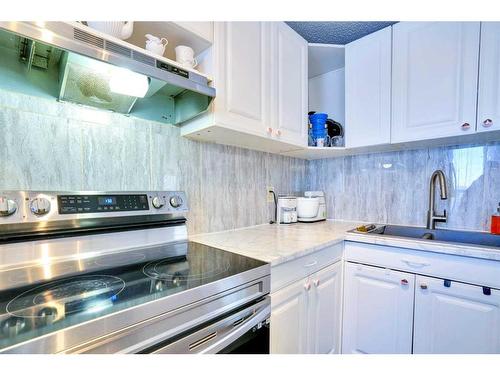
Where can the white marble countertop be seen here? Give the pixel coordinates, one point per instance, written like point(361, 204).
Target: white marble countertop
point(276, 244)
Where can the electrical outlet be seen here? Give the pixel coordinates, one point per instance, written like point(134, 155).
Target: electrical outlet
point(270, 196)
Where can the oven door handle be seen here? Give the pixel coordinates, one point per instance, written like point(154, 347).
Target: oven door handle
point(217, 336)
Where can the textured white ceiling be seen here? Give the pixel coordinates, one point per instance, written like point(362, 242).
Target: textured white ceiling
point(336, 32)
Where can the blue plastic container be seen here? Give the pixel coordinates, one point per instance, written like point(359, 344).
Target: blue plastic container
point(318, 122)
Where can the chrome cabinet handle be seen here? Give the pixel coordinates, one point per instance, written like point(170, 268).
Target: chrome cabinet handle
point(487, 123)
point(278, 132)
point(270, 130)
point(465, 126)
point(404, 282)
point(316, 283)
point(307, 286)
point(415, 264)
point(313, 263)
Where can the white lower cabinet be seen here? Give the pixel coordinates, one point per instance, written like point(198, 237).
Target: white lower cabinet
point(458, 318)
point(325, 309)
point(289, 319)
point(305, 316)
point(378, 310)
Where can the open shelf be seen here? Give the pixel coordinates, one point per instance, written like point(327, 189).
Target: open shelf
point(175, 33)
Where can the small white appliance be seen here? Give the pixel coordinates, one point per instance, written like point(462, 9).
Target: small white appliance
point(286, 210)
point(311, 207)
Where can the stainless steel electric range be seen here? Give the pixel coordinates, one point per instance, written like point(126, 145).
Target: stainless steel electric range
point(113, 272)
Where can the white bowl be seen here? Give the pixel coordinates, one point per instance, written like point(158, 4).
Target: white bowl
point(307, 207)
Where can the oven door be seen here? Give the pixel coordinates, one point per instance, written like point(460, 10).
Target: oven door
point(245, 331)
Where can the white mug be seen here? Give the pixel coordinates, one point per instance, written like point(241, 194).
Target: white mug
point(184, 55)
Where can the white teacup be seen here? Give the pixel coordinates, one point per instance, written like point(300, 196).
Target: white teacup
point(184, 55)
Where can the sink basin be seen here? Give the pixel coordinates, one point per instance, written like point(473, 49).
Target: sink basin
point(445, 235)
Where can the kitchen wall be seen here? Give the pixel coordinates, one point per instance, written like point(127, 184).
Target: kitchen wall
point(47, 145)
point(393, 187)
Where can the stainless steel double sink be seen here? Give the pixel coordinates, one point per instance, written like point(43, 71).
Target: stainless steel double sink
point(442, 235)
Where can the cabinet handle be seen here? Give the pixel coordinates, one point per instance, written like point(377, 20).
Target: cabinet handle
point(487, 123)
point(316, 283)
point(313, 263)
point(423, 286)
point(307, 286)
point(465, 126)
point(404, 282)
point(278, 133)
point(270, 130)
point(415, 264)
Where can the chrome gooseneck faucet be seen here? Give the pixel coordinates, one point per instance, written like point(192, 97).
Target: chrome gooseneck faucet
point(432, 217)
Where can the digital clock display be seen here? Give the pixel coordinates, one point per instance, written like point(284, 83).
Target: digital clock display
point(106, 201)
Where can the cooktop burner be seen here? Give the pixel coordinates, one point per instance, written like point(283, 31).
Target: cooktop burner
point(165, 269)
point(66, 296)
point(123, 280)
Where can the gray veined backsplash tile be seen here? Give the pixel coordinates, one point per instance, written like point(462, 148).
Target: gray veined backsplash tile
point(393, 187)
point(39, 152)
point(116, 156)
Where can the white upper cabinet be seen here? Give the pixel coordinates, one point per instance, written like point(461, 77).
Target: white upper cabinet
point(434, 79)
point(460, 318)
point(488, 110)
point(242, 75)
point(368, 90)
point(378, 310)
point(289, 84)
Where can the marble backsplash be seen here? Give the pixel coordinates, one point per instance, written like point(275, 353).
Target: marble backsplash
point(393, 187)
point(47, 145)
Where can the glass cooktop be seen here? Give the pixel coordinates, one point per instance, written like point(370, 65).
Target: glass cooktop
point(124, 280)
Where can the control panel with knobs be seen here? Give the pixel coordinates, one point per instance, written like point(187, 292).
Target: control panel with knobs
point(7, 206)
point(158, 202)
point(40, 206)
point(176, 201)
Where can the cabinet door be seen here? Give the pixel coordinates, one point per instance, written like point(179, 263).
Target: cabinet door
point(289, 79)
point(434, 79)
point(488, 114)
point(325, 310)
point(455, 319)
point(242, 75)
point(368, 90)
point(378, 310)
point(289, 310)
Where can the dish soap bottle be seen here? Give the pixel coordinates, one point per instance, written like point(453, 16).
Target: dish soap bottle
point(495, 221)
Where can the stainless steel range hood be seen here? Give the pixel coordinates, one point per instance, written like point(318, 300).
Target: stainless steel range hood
point(100, 71)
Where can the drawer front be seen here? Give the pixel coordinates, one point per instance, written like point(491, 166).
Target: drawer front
point(468, 270)
point(286, 273)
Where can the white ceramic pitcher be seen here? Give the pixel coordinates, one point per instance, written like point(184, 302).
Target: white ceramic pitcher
point(155, 44)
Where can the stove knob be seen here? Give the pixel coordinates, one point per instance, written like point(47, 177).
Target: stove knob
point(7, 206)
point(176, 201)
point(158, 202)
point(40, 206)
point(47, 315)
point(13, 326)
